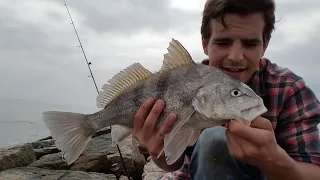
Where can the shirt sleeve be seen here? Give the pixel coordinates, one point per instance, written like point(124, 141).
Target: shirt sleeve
point(297, 132)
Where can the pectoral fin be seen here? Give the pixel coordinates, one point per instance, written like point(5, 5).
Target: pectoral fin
point(182, 139)
point(169, 137)
point(194, 136)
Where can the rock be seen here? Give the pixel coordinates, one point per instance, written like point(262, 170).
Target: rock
point(152, 171)
point(42, 143)
point(109, 164)
point(129, 147)
point(99, 160)
point(93, 157)
point(44, 151)
point(117, 168)
point(134, 160)
point(46, 138)
point(43, 147)
point(100, 144)
point(96, 162)
point(33, 173)
point(21, 155)
point(51, 161)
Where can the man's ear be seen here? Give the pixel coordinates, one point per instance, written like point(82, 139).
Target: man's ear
point(204, 45)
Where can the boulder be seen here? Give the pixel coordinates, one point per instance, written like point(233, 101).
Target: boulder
point(34, 173)
point(100, 160)
point(16, 156)
point(44, 151)
point(100, 144)
point(51, 161)
point(43, 143)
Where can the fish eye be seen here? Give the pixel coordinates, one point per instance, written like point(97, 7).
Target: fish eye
point(236, 93)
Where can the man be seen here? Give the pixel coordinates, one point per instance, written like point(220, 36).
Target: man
point(282, 144)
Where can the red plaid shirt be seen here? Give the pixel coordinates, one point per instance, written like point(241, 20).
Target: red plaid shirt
point(293, 110)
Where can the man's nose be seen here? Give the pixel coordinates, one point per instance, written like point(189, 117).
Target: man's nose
point(236, 52)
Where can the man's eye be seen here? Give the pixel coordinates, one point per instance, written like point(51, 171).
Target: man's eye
point(251, 45)
point(222, 43)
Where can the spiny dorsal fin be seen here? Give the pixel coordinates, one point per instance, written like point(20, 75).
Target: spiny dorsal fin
point(176, 57)
point(123, 80)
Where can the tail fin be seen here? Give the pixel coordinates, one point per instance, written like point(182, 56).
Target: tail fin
point(71, 132)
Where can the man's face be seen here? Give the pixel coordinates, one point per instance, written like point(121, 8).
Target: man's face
point(236, 50)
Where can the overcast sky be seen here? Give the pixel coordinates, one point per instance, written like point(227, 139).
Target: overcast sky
point(41, 60)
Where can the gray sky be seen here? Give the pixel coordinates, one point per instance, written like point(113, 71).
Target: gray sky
point(41, 60)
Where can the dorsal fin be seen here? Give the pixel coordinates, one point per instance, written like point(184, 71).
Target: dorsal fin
point(123, 80)
point(177, 56)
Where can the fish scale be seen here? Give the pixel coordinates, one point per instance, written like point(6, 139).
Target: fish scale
point(202, 96)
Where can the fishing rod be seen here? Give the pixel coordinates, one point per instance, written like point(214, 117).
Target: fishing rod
point(95, 84)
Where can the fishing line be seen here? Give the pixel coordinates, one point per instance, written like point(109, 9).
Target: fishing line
point(95, 84)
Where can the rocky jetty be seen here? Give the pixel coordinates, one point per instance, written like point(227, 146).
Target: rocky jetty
point(41, 160)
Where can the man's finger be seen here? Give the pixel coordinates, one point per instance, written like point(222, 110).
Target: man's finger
point(158, 137)
point(142, 114)
point(166, 128)
point(251, 134)
point(234, 143)
point(150, 124)
point(262, 123)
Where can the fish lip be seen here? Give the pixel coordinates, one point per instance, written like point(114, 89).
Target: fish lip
point(249, 114)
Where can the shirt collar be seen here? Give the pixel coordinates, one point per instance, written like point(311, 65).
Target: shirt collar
point(256, 83)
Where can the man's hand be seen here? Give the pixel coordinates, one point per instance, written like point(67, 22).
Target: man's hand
point(149, 135)
point(145, 129)
point(257, 145)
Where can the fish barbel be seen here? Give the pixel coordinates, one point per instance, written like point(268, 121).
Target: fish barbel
point(202, 96)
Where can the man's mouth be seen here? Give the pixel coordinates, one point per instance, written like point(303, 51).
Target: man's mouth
point(233, 70)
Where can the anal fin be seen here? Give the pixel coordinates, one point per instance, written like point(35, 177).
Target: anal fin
point(118, 133)
point(122, 136)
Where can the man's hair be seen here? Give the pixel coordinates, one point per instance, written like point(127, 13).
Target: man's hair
point(217, 9)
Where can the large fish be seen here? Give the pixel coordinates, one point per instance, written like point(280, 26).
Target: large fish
point(202, 96)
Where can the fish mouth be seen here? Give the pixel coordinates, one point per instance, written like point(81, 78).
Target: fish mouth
point(251, 113)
